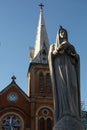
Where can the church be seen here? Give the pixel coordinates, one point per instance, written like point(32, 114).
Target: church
point(19, 111)
point(35, 111)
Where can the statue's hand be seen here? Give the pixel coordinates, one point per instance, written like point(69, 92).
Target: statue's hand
point(58, 49)
point(62, 47)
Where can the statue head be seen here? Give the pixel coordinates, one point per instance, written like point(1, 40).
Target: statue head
point(62, 34)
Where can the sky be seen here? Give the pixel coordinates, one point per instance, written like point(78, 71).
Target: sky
point(18, 27)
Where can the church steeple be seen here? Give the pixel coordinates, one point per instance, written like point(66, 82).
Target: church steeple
point(41, 43)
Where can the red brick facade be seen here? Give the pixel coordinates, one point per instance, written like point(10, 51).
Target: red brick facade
point(11, 106)
point(41, 100)
point(32, 112)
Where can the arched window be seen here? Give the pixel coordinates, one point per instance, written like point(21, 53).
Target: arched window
point(45, 119)
point(49, 124)
point(48, 83)
point(42, 124)
point(41, 82)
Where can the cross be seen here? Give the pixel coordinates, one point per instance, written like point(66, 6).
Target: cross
point(41, 6)
point(13, 78)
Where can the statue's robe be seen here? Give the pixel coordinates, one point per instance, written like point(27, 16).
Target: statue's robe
point(65, 74)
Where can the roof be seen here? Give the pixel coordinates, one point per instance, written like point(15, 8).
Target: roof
point(13, 83)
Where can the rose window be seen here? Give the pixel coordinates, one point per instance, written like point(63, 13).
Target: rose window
point(11, 122)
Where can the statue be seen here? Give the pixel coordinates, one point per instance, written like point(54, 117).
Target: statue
point(64, 64)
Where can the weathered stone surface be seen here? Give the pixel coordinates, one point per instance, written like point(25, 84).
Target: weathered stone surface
point(68, 123)
point(64, 64)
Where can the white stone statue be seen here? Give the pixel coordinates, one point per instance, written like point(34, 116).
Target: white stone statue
point(65, 73)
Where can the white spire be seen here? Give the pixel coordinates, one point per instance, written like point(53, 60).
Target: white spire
point(41, 42)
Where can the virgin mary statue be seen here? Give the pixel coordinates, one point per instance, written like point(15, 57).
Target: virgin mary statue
point(65, 73)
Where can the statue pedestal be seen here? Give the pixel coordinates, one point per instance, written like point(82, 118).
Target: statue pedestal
point(68, 123)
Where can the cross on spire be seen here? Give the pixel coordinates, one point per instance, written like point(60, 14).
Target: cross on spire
point(13, 78)
point(41, 6)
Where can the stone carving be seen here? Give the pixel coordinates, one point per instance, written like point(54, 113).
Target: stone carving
point(64, 64)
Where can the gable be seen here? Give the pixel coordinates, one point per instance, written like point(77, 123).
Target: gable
point(13, 95)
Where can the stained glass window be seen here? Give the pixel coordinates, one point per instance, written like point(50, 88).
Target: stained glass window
point(41, 82)
point(48, 83)
point(42, 124)
point(11, 122)
point(49, 124)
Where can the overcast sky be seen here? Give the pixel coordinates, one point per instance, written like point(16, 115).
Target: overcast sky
point(18, 26)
